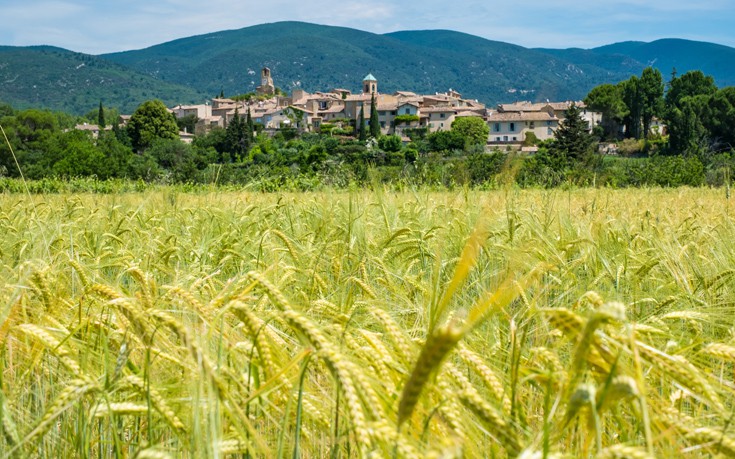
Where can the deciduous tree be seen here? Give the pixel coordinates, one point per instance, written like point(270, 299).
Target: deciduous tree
point(151, 121)
point(472, 128)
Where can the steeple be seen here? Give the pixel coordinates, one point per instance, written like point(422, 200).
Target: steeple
point(266, 82)
point(369, 84)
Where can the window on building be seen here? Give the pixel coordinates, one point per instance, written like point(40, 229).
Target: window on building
point(505, 138)
point(514, 139)
point(532, 125)
point(512, 127)
point(382, 113)
point(496, 128)
point(497, 139)
point(382, 124)
point(441, 115)
point(393, 113)
point(408, 111)
point(549, 131)
point(441, 124)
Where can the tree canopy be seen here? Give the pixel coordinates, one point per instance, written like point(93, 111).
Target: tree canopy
point(472, 128)
point(151, 121)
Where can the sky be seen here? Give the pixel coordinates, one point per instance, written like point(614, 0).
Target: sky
point(103, 26)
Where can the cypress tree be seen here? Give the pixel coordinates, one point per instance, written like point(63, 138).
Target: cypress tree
point(101, 117)
point(250, 128)
point(374, 121)
point(361, 124)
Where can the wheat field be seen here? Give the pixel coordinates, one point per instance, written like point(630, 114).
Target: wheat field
point(583, 323)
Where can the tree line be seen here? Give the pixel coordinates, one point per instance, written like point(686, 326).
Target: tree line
point(695, 149)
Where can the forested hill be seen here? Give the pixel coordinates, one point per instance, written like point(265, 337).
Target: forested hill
point(55, 78)
point(665, 54)
point(318, 58)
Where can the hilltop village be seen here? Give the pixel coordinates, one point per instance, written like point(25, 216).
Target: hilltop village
point(399, 112)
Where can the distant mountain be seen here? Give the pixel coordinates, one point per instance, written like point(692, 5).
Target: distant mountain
point(317, 58)
point(58, 79)
point(682, 55)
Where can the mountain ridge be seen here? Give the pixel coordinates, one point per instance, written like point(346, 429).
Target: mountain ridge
point(317, 58)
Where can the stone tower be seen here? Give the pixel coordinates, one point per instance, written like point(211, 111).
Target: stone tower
point(266, 83)
point(369, 84)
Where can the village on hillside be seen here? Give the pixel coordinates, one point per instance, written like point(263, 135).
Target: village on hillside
point(509, 123)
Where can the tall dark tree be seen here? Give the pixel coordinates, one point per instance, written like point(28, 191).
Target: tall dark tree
point(694, 83)
point(687, 134)
point(719, 118)
point(608, 100)
point(686, 102)
point(236, 140)
point(374, 121)
point(362, 129)
point(573, 145)
point(101, 117)
point(651, 93)
point(632, 120)
point(250, 127)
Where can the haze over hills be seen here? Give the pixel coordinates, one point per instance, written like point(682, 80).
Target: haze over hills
point(315, 57)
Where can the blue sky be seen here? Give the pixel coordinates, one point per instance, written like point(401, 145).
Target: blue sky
point(100, 26)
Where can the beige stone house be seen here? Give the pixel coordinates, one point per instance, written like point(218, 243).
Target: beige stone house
point(509, 123)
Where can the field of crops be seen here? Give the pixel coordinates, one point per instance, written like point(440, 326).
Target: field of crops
point(588, 323)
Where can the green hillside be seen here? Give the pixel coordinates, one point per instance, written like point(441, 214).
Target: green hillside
point(318, 58)
point(54, 78)
point(684, 55)
point(321, 57)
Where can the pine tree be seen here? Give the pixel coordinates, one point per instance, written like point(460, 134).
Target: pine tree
point(101, 117)
point(573, 145)
point(374, 121)
point(361, 124)
point(235, 137)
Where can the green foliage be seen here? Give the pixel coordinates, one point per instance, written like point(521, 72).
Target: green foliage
point(150, 122)
point(608, 100)
point(405, 119)
point(573, 145)
point(58, 79)
point(531, 139)
point(374, 120)
point(473, 129)
point(650, 97)
point(390, 143)
point(237, 140)
point(361, 128)
point(187, 123)
point(446, 141)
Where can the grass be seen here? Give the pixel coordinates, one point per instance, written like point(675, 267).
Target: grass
point(588, 323)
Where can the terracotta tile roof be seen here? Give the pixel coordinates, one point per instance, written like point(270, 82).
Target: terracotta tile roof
point(468, 113)
point(521, 116)
point(333, 109)
point(358, 97)
point(439, 109)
